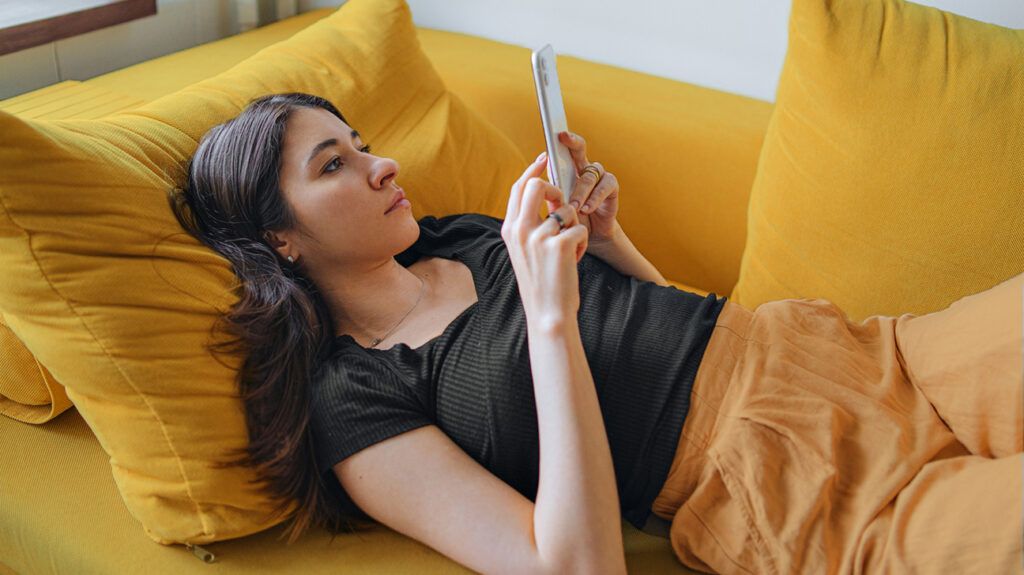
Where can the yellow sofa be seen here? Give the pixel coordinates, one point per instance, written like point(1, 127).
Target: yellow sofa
point(685, 157)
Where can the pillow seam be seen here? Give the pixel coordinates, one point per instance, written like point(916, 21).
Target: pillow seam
point(163, 429)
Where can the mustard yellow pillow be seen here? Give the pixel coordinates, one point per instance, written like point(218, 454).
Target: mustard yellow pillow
point(120, 303)
point(28, 391)
point(891, 176)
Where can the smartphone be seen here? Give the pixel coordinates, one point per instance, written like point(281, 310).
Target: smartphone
point(561, 170)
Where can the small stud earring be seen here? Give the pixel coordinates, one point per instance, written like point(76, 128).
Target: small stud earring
point(291, 260)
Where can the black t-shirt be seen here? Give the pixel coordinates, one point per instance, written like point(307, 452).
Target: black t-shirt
point(643, 343)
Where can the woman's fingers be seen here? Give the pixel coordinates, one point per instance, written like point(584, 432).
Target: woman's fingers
point(537, 190)
point(541, 252)
point(577, 148)
point(604, 189)
point(568, 215)
point(554, 198)
point(579, 238)
point(515, 197)
point(573, 236)
point(533, 193)
point(585, 185)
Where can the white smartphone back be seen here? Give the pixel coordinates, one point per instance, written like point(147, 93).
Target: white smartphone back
point(561, 170)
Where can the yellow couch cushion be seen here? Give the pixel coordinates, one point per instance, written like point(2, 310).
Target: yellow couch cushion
point(69, 99)
point(684, 155)
point(118, 302)
point(692, 228)
point(691, 224)
point(28, 391)
point(78, 524)
point(890, 180)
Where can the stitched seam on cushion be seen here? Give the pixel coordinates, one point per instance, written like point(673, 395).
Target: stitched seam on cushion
point(48, 382)
point(39, 366)
point(163, 428)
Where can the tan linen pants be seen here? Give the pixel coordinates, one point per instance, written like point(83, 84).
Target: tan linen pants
point(815, 444)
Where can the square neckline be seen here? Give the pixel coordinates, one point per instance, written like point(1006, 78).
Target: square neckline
point(480, 294)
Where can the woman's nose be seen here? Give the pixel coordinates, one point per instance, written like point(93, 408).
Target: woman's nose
point(386, 171)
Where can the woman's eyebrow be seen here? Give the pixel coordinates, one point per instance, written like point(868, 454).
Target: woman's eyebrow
point(324, 144)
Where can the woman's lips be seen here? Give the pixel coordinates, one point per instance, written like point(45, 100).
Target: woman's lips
point(400, 201)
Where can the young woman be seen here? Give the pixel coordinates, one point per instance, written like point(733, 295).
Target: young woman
point(506, 390)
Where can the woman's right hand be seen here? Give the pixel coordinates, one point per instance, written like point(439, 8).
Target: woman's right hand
point(544, 258)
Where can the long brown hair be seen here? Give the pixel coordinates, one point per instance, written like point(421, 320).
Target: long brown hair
point(280, 324)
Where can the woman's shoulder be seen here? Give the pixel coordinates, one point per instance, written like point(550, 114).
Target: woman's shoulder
point(346, 364)
point(462, 224)
point(340, 359)
point(453, 233)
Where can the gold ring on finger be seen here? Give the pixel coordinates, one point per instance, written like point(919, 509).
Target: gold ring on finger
point(561, 222)
point(592, 168)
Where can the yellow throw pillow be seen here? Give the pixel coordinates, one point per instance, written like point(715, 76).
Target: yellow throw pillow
point(28, 391)
point(119, 302)
point(891, 179)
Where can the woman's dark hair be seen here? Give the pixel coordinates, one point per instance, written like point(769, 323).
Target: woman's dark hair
point(280, 324)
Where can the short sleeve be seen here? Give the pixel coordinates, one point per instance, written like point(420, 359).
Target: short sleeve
point(357, 402)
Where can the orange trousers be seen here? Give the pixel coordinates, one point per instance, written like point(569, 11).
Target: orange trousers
point(816, 444)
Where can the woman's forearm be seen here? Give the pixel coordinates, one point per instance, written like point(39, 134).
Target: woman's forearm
point(577, 521)
point(621, 254)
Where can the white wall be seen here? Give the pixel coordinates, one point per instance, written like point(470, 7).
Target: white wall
point(732, 45)
point(178, 24)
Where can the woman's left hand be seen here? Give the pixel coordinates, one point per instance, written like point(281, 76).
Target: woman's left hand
point(596, 197)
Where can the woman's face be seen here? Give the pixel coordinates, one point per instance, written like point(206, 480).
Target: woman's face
point(339, 194)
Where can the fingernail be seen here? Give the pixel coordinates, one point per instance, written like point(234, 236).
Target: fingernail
point(575, 204)
point(587, 208)
point(541, 156)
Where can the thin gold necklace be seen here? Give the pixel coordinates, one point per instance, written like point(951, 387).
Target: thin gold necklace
point(423, 288)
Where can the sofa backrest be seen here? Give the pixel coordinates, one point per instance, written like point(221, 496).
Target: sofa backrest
point(684, 155)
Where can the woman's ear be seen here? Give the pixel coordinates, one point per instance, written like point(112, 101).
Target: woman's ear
point(281, 245)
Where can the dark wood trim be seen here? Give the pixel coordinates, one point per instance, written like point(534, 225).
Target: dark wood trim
point(51, 27)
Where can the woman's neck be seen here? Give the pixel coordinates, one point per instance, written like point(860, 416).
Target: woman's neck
point(370, 303)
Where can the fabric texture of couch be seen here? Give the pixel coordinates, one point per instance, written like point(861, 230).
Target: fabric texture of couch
point(118, 303)
point(893, 186)
point(98, 537)
point(687, 159)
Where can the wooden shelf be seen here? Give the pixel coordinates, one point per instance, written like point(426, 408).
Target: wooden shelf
point(36, 22)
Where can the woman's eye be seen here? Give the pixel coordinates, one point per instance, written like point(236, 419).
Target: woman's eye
point(365, 149)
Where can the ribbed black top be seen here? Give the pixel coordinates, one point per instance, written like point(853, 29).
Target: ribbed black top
point(643, 343)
